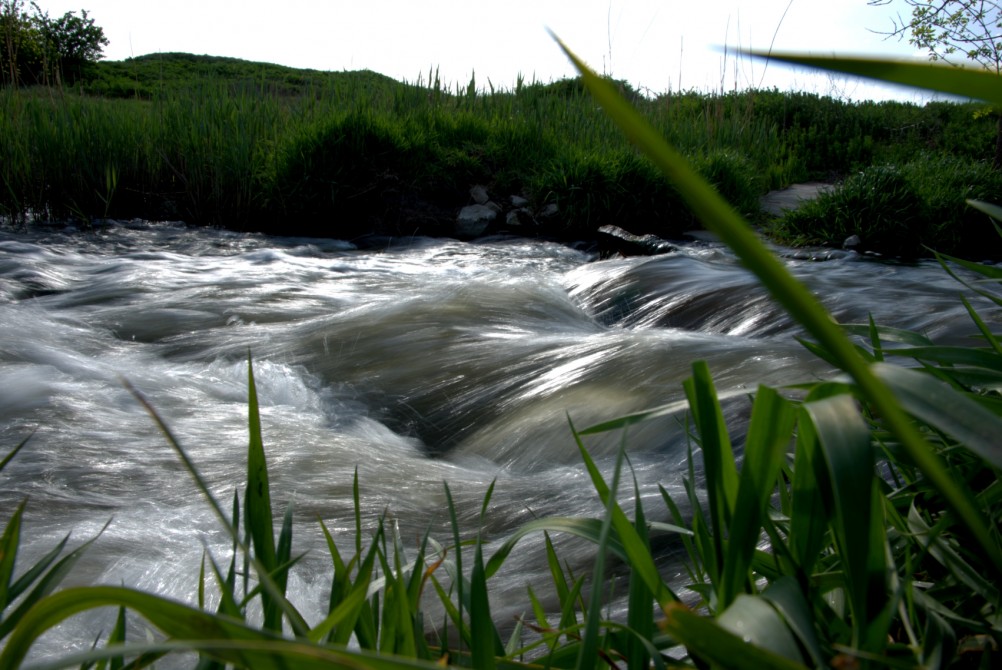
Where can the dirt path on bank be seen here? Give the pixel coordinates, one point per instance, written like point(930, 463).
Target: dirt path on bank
point(775, 202)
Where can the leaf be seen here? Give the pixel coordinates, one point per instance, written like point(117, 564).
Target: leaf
point(785, 595)
point(849, 459)
point(589, 529)
point(718, 456)
point(719, 646)
point(967, 83)
point(638, 557)
point(770, 432)
point(946, 409)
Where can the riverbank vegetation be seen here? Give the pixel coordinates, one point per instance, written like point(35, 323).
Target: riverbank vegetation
point(250, 146)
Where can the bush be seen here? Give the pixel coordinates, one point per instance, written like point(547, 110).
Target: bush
point(903, 211)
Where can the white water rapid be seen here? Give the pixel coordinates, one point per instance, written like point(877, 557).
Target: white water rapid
point(417, 363)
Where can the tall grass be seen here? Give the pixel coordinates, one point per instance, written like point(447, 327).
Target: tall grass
point(859, 529)
point(225, 143)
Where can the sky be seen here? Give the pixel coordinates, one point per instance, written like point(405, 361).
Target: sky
point(656, 45)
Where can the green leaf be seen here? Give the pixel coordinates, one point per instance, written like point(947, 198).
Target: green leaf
point(638, 557)
point(769, 435)
point(8, 553)
point(719, 646)
point(758, 624)
point(785, 595)
point(849, 458)
point(257, 496)
point(988, 208)
point(948, 410)
point(967, 83)
point(13, 452)
point(44, 585)
point(718, 456)
point(589, 529)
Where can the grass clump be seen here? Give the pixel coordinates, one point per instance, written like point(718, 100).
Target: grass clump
point(903, 210)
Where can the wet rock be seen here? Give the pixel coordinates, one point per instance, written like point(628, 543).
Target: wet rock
point(549, 211)
point(518, 201)
point(613, 239)
point(479, 194)
point(852, 242)
point(473, 221)
point(520, 218)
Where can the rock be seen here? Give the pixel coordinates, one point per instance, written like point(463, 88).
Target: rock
point(852, 242)
point(520, 218)
point(518, 202)
point(473, 221)
point(615, 239)
point(493, 205)
point(548, 211)
point(479, 194)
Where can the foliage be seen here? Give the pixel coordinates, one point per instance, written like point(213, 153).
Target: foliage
point(903, 210)
point(219, 141)
point(41, 49)
point(971, 28)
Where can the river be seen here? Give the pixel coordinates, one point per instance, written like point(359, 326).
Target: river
point(418, 363)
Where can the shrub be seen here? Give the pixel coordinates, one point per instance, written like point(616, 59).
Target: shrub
point(903, 211)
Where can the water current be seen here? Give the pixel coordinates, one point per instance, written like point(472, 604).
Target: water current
point(416, 363)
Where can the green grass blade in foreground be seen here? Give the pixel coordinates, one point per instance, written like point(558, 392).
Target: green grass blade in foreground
point(769, 434)
point(719, 217)
point(257, 497)
point(718, 456)
point(192, 629)
point(844, 439)
point(638, 556)
point(13, 452)
point(939, 405)
point(967, 83)
point(720, 647)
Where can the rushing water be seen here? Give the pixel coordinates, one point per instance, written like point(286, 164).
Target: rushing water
point(417, 363)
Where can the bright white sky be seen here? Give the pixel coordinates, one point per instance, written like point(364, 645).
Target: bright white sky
point(658, 45)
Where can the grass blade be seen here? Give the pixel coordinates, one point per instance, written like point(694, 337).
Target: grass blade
point(721, 219)
point(770, 432)
point(967, 83)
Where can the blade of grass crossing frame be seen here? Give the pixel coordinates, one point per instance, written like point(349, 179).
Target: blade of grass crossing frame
point(769, 434)
point(638, 557)
point(967, 83)
point(8, 553)
point(588, 655)
point(720, 218)
point(487, 645)
point(257, 501)
point(718, 458)
point(845, 445)
point(641, 598)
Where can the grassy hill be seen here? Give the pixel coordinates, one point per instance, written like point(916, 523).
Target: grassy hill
point(142, 76)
